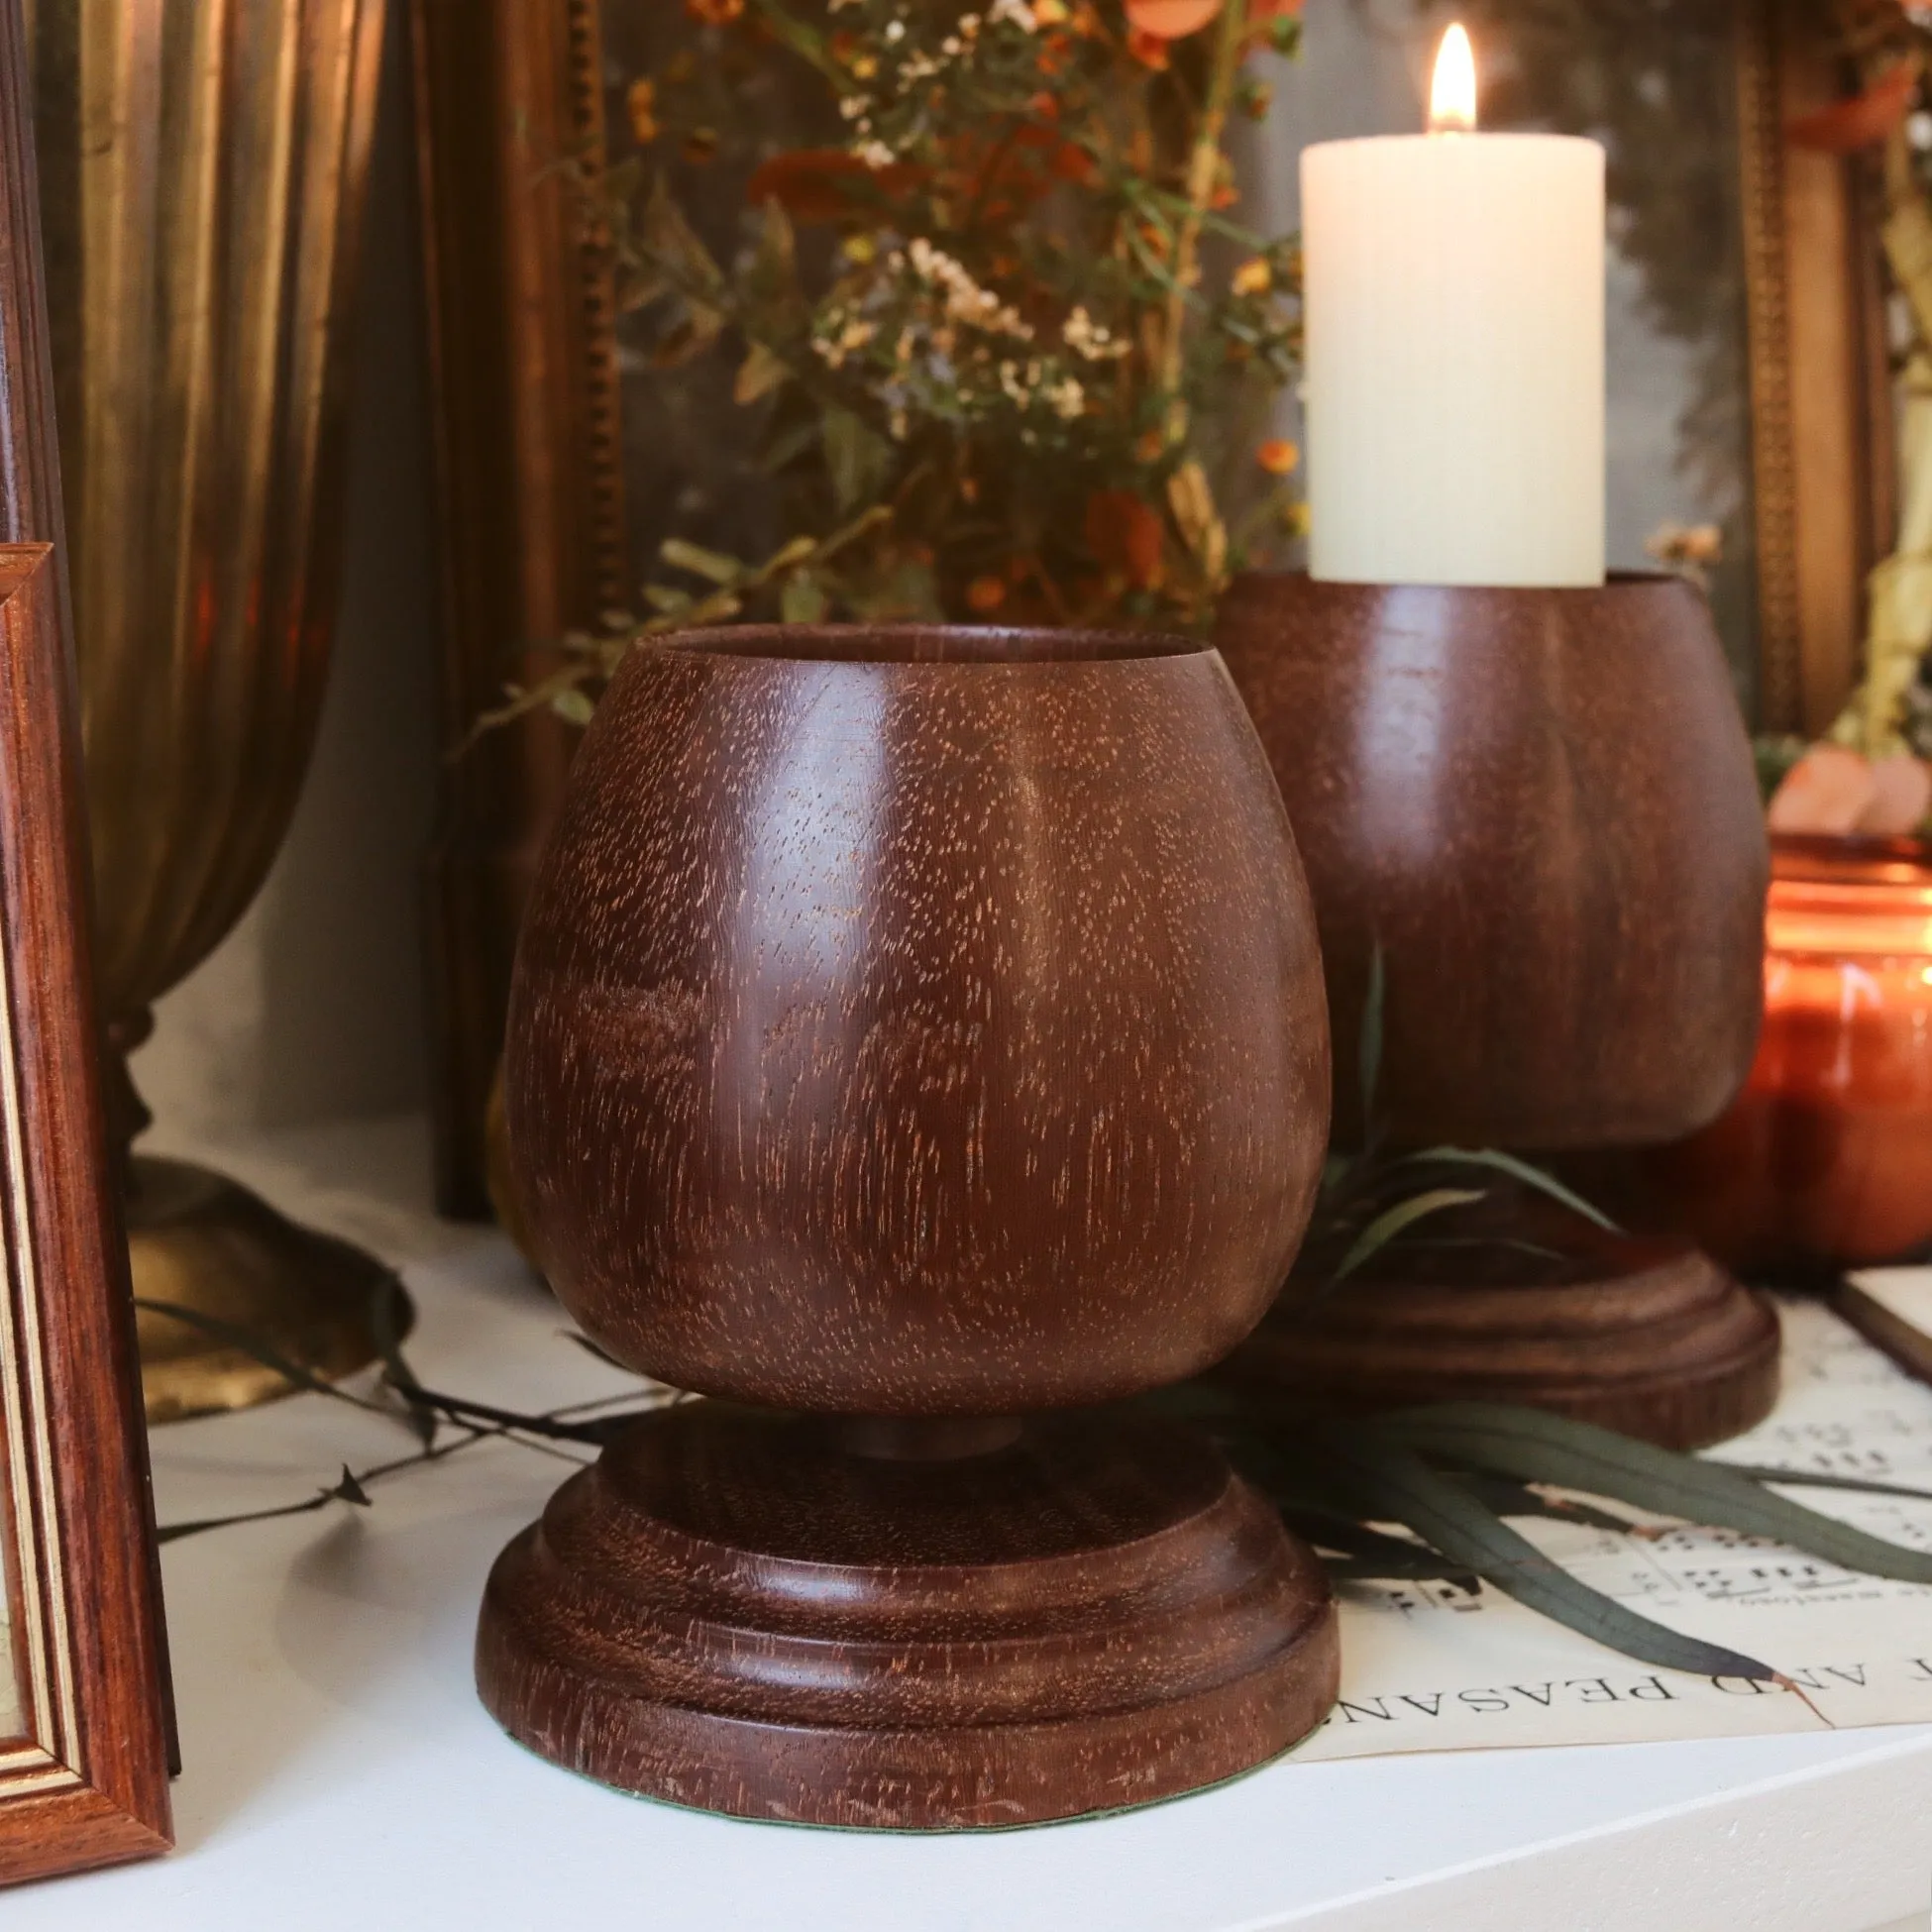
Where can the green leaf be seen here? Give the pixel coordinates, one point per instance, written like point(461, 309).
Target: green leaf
point(803, 601)
point(701, 326)
point(1377, 1557)
point(574, 706)
point(709, 564)
point(1520, 1170)
point(856, 459)
point(772, 278)
point(1405, 1214)
point(1541, 1448)
point(757, 376)
point(666, 601)
point(673, 244)
point(1468, 1533)
point(1808, 1479)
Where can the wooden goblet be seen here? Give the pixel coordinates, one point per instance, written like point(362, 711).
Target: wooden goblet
point(1539, 806)
point(913, 1029)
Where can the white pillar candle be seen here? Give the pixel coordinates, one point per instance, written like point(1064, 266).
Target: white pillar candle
point(1454, 306)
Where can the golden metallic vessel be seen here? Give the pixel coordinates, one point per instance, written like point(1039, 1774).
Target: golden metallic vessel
point(203, 166)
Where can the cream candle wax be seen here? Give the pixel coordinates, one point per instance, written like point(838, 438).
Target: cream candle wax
point(1455, 304)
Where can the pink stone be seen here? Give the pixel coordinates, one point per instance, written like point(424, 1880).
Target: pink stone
point(1829, 790)
point(1901, 795)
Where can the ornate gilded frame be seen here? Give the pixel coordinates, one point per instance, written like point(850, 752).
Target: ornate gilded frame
point(527, 423)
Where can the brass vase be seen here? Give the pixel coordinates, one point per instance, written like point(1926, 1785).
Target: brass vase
point(203, 164)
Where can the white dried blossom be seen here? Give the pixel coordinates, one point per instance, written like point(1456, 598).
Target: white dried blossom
point(1016, 11)
point(852, 106)
point(1092, 340)
point(1067, 399)
point(876, 156)
point(966, 300)
point(895, 30)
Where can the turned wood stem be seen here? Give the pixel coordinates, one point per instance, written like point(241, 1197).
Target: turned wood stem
point(927, 1439)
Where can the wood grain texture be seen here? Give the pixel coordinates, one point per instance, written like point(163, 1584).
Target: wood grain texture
point(1648, 1337)
point(919, 1022)
point(89, 1784)
point(1909, 1345)
point(1540, 805)
point(919, 1027)
point(732, 1612)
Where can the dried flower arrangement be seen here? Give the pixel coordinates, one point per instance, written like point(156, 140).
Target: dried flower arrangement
point(1007, 344)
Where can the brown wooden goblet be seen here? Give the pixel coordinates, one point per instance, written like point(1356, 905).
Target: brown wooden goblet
point(913, 1029)
point(1539, 806)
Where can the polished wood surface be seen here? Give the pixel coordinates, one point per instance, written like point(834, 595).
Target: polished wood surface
point(919, 1027)
point(918, 1022)
point(88, 1785)
point(1541, 805)
point(1648, 1337)
point(735, 1612)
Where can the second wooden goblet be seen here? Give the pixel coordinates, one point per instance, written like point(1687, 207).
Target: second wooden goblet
point(1538, 807)
point(914, 1030)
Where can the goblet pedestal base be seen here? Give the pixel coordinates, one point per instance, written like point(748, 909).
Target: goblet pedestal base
point(1652, 1340)
point(907, 1626)
point(200, 1242)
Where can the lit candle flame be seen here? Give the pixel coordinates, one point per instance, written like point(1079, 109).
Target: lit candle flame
point(1453, 100)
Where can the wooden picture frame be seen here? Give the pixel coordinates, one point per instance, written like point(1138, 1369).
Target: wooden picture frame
point(84, 1747)
point(529, 442)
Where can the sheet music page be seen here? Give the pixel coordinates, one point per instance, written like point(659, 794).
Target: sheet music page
point(1431, 1668)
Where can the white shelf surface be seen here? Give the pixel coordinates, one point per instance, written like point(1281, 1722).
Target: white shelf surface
point(340, 1771)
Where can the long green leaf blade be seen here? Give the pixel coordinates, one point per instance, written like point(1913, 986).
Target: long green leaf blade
point(1450, 1519)
point(1518, 1170)
point(1404, 1214)
point(1541, 1448)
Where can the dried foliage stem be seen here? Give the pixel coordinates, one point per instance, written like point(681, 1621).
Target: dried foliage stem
point(1203, 177)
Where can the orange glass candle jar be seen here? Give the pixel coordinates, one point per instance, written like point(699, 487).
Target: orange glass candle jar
point(1826, 1157)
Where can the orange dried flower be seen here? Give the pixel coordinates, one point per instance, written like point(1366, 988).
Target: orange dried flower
point(715, 13)
point(986, 594)
point(1253, 277)
point(1277, 455)
point(1170, 20)
point(1149, 48)
point(1127, 536)
point(641, 107)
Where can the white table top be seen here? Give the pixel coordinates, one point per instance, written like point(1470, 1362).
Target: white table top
point(341, 1771)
